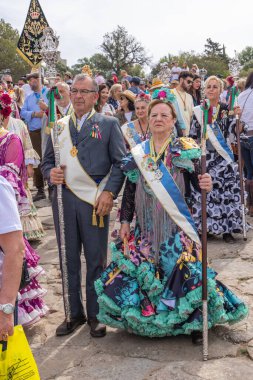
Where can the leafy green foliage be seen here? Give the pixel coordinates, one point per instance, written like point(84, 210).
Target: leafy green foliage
point(123, 50)
point(9, 58)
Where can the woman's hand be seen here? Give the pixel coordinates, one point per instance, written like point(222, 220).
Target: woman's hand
point(124, 231)
point(205, 182)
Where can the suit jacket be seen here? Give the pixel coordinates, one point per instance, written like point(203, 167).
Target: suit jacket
point(97, 156)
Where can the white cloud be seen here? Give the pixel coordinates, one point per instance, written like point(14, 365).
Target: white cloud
point(162, 26)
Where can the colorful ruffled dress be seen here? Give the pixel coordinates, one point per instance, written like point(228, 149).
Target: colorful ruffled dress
point(224, 211)
point(31, 307)
point(32, 227)
point(153, 286)
point(129, 132)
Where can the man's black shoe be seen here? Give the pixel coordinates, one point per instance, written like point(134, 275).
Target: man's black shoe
point(229, 238)
point(97, 330)
point(39, 196)
point(66, 328)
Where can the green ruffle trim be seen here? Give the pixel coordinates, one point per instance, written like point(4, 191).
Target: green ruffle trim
point(172, 322)
point(122, 262)
point(99, 287)
point(184, 160)
point(107, 320)
point(107, 304)
point(190, 154)
point(133, 175)
point(148, 282)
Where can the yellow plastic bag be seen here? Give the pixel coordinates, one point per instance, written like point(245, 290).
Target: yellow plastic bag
point(16, 360)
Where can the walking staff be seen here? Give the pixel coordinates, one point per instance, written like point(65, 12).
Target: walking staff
point(53, 94)
point(205, 107)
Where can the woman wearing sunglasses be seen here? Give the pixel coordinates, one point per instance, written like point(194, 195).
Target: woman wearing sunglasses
point(127, 109)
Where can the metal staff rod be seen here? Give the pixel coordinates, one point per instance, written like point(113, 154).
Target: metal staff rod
point(241, 176)
point(205, 107)
point(204, 248)
point(53, 94)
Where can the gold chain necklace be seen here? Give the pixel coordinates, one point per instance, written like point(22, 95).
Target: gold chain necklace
point(156, 156)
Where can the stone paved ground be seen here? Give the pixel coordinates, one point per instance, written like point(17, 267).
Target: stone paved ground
point(127, 357)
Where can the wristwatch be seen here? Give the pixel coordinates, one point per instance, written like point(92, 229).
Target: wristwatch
point(7, 308)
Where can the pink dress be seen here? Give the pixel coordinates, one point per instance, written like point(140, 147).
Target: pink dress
point(31, 307)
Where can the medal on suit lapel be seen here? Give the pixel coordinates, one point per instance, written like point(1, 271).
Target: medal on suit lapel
point(74, 151)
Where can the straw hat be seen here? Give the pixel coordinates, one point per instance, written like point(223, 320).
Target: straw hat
point(156, 83)
point(129, 95)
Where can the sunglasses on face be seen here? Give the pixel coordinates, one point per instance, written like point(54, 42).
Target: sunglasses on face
point(189, 81)
point(9, 82)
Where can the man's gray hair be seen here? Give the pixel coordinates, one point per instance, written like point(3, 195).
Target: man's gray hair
point(80, 77)
point(63, 84)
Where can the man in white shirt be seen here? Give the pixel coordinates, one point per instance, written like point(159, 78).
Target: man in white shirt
point(184, 99)
point(175, 71)
point(11, 257)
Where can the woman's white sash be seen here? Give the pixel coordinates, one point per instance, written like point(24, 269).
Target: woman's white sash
point(215, 136)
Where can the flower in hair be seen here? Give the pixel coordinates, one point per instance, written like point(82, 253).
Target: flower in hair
point(164, 94)
point(143, 96)
point(5, 99)
point(6, 111)
point(5, 102)
point(161, 95)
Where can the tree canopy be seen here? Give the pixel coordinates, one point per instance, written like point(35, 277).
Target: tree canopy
point(123, 50)
point(9, 59)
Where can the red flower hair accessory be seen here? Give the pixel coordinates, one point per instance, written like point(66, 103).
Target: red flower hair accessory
point(142, 97)
point(5, 105)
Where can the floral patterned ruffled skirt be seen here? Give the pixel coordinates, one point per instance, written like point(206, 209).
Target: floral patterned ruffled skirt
point(164, 299)
point(224, 211)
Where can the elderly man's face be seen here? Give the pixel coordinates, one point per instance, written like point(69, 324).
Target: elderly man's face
point(83, 96)
point(65, 95)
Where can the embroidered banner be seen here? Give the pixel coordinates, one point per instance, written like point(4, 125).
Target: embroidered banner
point(28, 44)
point(166, 191)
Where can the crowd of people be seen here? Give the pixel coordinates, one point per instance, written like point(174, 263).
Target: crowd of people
point(125, 134)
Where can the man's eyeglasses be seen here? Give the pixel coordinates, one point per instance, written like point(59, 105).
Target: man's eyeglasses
point(74, 91)
point(189, 81)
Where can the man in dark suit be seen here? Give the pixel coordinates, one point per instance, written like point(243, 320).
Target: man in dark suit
point(91, 150)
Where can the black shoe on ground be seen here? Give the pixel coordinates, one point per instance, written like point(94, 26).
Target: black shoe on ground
point(97, 330)
point(228, 238)
point(39, 196)
point(197, 337)
point(66, 328)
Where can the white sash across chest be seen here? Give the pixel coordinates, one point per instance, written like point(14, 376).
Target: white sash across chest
point(76, 178)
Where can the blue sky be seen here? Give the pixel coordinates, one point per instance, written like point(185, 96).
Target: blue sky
point(162, 26)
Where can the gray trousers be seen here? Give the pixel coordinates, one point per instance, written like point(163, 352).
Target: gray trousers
point(79, 233)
